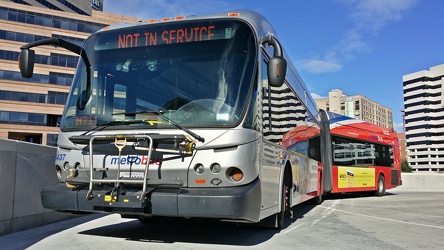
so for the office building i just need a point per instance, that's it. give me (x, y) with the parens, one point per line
(402, 146)
(30, 109)
(357, 106)
(82, 7)
(424, 118)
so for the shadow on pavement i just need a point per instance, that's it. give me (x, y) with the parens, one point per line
(199, 231)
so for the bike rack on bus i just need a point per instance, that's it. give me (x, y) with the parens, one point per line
(120, 141)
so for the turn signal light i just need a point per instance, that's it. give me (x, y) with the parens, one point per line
(235, 174)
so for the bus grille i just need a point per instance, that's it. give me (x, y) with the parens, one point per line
(394, 178)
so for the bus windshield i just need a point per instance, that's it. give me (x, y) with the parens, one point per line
(197, 74)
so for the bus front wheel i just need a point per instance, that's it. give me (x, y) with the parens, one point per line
(284, 201)
(380, 191)
(277, 221)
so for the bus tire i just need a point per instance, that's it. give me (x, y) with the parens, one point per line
(277, 220)
(280, 218)
(380, 186)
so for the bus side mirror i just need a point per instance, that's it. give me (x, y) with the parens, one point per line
(277, 65)
(277, 69)
(26, 62)
(83, 99)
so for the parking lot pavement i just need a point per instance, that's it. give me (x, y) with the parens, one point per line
(399, 220)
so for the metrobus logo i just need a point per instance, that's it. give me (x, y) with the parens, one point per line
(135, 160)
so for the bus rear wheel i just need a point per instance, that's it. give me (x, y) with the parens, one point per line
(319, 199)
(380, 188)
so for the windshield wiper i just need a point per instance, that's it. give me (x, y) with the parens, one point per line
(112, 123)
(160, 113)
(124, 122)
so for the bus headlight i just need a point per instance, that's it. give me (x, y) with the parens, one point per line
(198, 168)
(66, 166)
(235, 174)
(215, 168)
(77, 165)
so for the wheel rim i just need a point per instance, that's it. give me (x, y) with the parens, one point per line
(380, 186)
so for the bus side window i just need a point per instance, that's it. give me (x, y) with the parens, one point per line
(253, 119)
(282, 109)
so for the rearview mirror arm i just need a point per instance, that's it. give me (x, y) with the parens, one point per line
(60, 43)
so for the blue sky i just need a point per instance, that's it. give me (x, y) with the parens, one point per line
(359, 46)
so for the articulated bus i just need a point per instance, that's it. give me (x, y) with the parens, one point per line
(366, 157)
(183, 117)
(357, 156)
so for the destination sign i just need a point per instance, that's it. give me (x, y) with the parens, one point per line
(148, 35)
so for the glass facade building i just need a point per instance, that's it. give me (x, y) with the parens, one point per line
(82, 7)
(30, 109)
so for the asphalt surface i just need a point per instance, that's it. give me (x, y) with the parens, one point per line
(399, 220)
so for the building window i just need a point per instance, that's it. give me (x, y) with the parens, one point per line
(49, 20)
(56, 78)
(22, 96)
(24, 118)
(51, 139)
(53, 120)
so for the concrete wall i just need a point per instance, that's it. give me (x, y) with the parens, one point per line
(25, 168)
(430, 181)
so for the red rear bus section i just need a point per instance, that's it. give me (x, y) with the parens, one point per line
(357, 156)
(365, 157)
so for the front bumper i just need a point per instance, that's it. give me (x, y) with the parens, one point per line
(236, 203)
